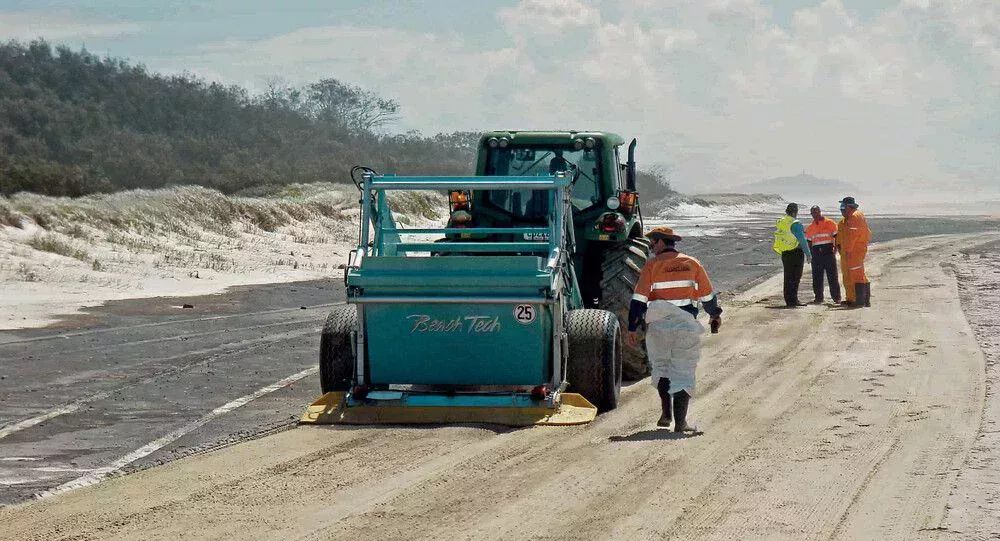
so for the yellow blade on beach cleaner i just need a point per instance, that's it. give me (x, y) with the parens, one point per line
(331, 409)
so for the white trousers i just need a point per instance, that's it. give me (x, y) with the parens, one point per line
(673, 344)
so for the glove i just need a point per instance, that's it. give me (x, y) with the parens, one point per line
(714, 323)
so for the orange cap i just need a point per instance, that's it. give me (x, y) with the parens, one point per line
(663, 232)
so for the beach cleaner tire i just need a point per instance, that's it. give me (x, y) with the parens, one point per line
(594, 368)
(620, 270)
(336, 349)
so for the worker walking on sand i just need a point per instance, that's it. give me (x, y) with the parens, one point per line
(852, 238)
(790, 243)
(821, 234)
(666, 298)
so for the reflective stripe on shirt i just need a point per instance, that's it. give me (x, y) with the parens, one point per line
(640, 298)
(674, 284)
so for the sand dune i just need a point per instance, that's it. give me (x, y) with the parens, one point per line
(61, 254)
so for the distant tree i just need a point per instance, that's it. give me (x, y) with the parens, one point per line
(356, 108)
(279, 95)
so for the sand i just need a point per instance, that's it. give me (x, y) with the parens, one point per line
(65, 254)
(818, 422)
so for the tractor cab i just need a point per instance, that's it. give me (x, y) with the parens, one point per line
(603, 196)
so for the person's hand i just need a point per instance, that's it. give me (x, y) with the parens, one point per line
(632, 338)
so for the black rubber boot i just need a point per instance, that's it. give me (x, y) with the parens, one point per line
(859, 295)
(681, 399)
(663, 387)
(868, 295)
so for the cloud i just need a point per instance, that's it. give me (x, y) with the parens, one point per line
(716, 89)
(60, 26)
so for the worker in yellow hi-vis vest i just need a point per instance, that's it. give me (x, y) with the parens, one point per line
(790, 243)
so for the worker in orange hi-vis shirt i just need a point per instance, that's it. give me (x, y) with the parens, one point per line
(670, 288)
(821, 234)
(853, 240)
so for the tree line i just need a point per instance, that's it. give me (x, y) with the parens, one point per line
(73, 123)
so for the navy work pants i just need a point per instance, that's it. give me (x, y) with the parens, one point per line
(792, 261)
(824, 261)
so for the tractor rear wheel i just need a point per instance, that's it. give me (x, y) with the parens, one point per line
(620, 270)
(594, 367)
(336, 349)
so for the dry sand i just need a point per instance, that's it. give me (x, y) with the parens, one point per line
(974, 506)
(66, 254)
(819, 423)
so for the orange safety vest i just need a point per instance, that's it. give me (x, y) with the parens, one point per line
(674, 277)
(822, 232)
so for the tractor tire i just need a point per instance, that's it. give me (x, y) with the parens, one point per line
(336, 349)
(620, 270)
(594, 367)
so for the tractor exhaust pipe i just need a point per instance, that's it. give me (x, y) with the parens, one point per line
(630, 167)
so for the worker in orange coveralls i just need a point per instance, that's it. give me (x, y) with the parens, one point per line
(845, 278)
(853, 236)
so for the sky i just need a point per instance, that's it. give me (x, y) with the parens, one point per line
(893, 96)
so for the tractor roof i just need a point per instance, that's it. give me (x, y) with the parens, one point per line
(552, 137)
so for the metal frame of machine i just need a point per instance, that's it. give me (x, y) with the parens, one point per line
(379, 236)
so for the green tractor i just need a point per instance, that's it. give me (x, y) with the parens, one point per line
(610, 248)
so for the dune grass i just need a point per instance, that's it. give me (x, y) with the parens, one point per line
(191, 227)
(178, 209)
(53, 244)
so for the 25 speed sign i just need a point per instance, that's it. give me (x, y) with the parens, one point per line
(524, 313)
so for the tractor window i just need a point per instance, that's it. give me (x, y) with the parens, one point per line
(531, 204)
